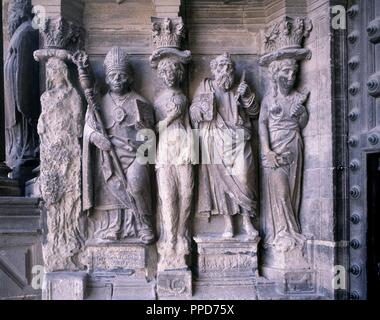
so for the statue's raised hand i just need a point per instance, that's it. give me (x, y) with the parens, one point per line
(243, 90)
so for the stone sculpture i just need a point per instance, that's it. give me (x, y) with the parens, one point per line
(60, 128)
(173, 162)
(223, 111)
(22, 105)
(116, 187)
(282, 119)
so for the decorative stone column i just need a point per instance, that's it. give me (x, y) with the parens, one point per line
(173, 162)
(60, 128)
(288, 253)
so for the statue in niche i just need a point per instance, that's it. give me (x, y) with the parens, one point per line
(223, 111)
(173, 160)
(283, 117)
(60, 128)
(173, 164)
(117, 186)
(22, 94)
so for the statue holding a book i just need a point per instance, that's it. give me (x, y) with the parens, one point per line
(223, 112)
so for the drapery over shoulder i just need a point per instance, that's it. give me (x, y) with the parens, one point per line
(226, 181)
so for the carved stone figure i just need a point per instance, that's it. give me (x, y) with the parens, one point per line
(116, 185)
(22, 105)
(60, 128)
(173, 160)
(282, 119)
(223, 112)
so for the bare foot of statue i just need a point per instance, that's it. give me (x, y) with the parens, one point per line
(228, 228)
(248, 227)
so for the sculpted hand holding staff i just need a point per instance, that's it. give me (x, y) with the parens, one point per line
(116, 186)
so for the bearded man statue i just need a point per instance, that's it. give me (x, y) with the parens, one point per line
(223, 111)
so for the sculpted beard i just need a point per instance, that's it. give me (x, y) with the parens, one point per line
(225, 80)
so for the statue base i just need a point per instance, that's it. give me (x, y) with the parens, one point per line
(292, 270)
(226, 268)
(8, 187)
(118, 271)
(32, 188)
(174, 285)
(64, 286)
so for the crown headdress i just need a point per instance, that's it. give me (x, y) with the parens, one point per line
(116, 60)
(168, 32)
(168, 35)
(284, 40)
(59, 33)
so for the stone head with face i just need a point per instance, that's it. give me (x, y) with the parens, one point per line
(118, 72)
(19, 11)
(57, 74)
(171, 71)
(284, 75)
(223, 70)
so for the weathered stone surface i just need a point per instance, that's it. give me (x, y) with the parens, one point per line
(174, 168)
(223, 112)
(227, 258)
(65, 286)
(175, 284)
(282, 119)
(119, 286)
(60, 128)
(116, 185)
(214, 27)
(128, 256)
(226, 268)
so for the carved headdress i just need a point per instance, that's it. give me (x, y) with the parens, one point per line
(116, 60)
(61, 38)
(168, 34)
(284, 40)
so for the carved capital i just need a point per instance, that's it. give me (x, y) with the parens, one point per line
(168, 32)
(284, 40)
(59, 33)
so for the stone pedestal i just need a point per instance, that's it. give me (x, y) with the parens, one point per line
(292, 271)
(32, 188)
(226, 268)
(64, 286)
(175, 284)
(118, 271)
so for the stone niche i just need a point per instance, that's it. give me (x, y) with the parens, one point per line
(240, 267)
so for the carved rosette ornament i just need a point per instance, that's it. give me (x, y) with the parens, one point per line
(60, 128)
(173, 165)
(282, 119)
